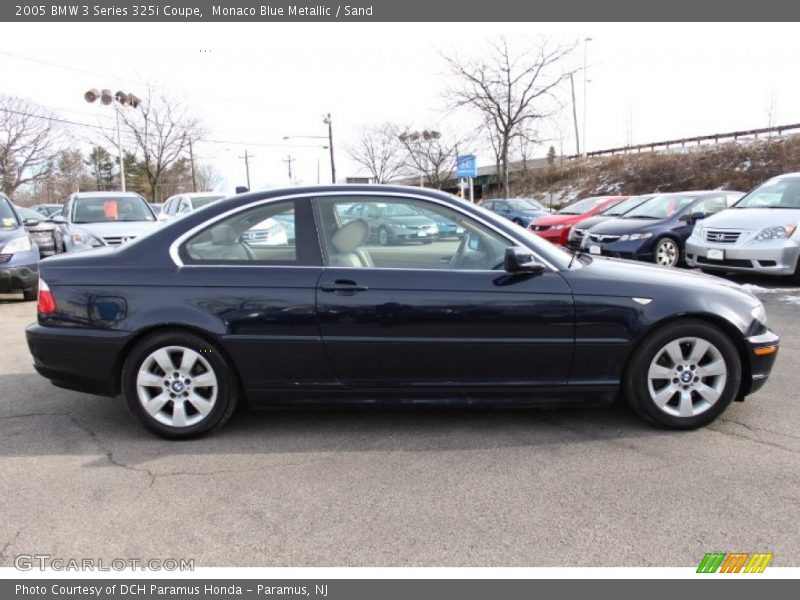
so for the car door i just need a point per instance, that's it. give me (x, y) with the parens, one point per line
(261, 298)
(439, 315)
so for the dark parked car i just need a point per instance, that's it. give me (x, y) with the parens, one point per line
(447, 227)
(519, 210)
(578, 232)
(48, 210)
(42, 232)
(657, 230)
(393, 223)
(19, 255)
(190, 321)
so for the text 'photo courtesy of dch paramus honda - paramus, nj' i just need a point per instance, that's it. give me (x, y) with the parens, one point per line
(357, 306)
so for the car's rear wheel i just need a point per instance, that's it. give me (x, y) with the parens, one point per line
(683, 375)
(666, 253)
(179, 385)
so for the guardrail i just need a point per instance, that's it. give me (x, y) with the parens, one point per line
(716, 137)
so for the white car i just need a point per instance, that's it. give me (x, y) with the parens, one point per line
(759, 234)
(182, 204)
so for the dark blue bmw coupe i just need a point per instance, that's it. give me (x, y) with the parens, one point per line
(192, 319)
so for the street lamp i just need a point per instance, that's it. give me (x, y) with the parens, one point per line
(585, 55)
(118, 99)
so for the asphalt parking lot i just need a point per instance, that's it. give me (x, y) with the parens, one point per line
(381, 487)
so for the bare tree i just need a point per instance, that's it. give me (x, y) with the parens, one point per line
(511, 91)
(207, 177)
(162, 129)
(430, 155)
(27, 143)
(380, 151)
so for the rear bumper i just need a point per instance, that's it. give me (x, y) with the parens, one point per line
(17, 278)
(555, 236)
(763, 350)
(86, 360)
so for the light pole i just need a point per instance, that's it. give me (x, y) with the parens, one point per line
(585, 56)
(118, 99)
(329, 146)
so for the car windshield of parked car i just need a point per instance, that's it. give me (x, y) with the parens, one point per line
(581, 207)
(204, 200)
(99, 209)
(28, 213)
(661, 207)
(7, 218)
(523, 205)
(776, 193)
(621, 208)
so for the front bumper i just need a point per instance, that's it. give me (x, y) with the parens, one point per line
(555, 236)
(75, 358)
(762, 350)
(18, 277)
(630, 249)
(768, 258)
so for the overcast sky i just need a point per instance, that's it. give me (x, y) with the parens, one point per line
(253, 84)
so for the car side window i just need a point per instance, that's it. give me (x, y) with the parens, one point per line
(263, 235)
(407, 234)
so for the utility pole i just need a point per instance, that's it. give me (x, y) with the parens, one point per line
(289, 160)
(574, 115)
(191, 161)
(329, 122)
(585, 54)
(247, 158)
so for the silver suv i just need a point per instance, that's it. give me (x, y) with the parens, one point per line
(758, 234)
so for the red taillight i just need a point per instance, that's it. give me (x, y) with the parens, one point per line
(46, 304)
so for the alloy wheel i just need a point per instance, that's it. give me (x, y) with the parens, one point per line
(667, 253)
(177, 386)
(687, 377)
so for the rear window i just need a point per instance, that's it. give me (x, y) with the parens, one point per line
(98, 209)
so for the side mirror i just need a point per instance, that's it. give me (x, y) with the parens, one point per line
(521, 260)
(31, 222)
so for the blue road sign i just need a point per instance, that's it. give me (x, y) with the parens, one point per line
(466, 166)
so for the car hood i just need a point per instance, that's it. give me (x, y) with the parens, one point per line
(751, 219)
(411, 221)
(119, 228)
(592, 221)
(7, 234)
(551, 220)
(616, 226)
(631, 278)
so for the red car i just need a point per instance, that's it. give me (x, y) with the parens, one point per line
(555, 228)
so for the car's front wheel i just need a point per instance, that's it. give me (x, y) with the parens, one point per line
(666, 253)
(179, 385)
(683, 375)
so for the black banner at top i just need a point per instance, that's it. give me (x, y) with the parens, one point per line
(397, 10)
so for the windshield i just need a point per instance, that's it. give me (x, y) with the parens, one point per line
(581, 207)
(624, 206)
(28, 213)
(661, 207)
(400, 210)
(524, 205)
(204, 200)
(8, 219)
(99, 209)
(775, 193)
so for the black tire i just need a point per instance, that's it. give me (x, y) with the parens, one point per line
(31, 294)
(227, 396)
(635, 384)
(384, 236)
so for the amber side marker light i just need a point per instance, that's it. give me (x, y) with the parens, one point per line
(764, 350)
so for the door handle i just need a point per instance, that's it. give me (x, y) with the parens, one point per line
(343, 285)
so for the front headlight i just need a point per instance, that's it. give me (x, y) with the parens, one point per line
(18, 244)
(558, 226)
(760, 314)
(636, 236)
(775, 233)
(86, 239)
